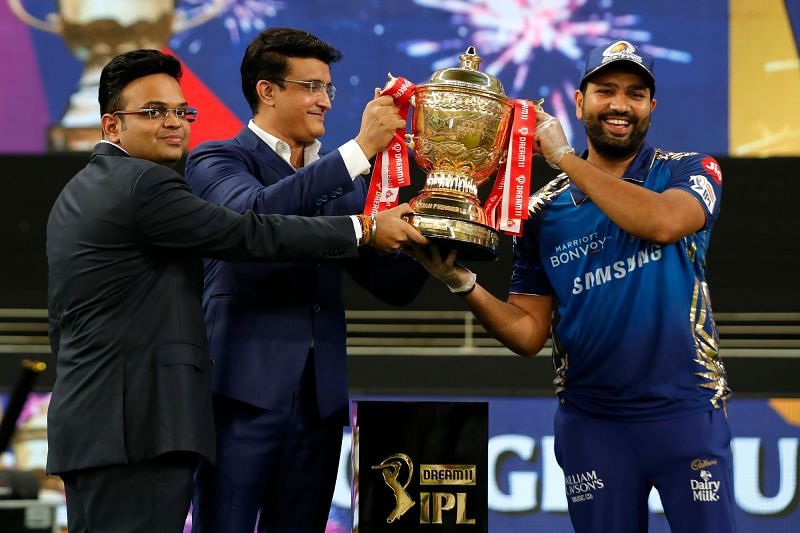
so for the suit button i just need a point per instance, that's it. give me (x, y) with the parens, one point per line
(338, 190)
(316, 308)
(319, 203)
(324, 198)
(211, 360)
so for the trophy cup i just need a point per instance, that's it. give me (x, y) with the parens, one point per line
(460, 129)
(95, 32)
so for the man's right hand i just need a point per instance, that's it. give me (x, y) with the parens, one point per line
(379, 122)
(393, 233)
(443, 268)
(550, 139)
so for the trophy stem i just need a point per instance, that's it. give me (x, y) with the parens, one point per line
(453, 183)
(449, 212)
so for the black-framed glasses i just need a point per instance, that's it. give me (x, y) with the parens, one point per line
(185, 114)
(315, 87)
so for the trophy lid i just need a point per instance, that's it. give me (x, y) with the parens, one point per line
(467, 75)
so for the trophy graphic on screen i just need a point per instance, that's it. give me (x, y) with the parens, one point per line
(96, 31)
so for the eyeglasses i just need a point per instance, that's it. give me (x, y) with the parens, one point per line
(316, 87)
(186, 114)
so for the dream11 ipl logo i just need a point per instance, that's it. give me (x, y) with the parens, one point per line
(390, 469)
(433, 504)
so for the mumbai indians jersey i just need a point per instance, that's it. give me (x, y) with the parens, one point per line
(633, 332)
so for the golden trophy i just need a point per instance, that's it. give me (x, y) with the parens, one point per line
(460, 129)
(95, 32)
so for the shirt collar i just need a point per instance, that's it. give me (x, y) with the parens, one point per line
(115, 145)
(635, 173)
(310, 152)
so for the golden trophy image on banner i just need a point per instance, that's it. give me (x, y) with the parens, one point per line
(96, 31)
(461, 128)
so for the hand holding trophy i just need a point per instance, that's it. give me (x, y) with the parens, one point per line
(463, 128)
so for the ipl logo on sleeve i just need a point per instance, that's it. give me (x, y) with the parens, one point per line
(702, 186)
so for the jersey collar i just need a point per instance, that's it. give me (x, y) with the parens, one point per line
(635, 173)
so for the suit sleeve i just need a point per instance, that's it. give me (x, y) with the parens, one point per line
(393, 278)
(169, 216)
(221, 174)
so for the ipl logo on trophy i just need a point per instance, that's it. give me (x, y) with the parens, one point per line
(461, 126)
(95, 32)
(390, 468)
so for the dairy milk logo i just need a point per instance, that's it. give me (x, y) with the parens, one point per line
(580, 486)
(705, 489)
(577, 248)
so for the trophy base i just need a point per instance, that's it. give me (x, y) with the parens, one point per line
(473, 241)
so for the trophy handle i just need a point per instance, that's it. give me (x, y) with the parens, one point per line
(209, 12)
(53, 25)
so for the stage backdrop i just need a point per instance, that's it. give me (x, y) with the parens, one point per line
(526, 486)
(728, 72)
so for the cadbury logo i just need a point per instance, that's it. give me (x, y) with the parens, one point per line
(699, 464)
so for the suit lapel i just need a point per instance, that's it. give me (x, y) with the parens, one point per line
(264, 153)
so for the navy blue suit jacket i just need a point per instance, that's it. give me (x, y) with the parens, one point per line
(262, 319)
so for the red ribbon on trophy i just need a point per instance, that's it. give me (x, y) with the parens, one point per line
(391, 170)
(512, 188)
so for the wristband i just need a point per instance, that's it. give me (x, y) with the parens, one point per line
(561, 153)
(369, 227)
(373, 229)
(466, 288)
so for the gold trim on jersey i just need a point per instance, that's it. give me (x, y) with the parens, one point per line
(546, 194)
(666, 156)
(560, 363)
(707, 345)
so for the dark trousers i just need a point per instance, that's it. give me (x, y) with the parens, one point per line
(146, 497)
(281, 463)
(610, 467)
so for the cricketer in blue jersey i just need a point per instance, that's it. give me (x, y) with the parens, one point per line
(611, 263)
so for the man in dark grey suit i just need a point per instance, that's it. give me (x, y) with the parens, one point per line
(130, 414)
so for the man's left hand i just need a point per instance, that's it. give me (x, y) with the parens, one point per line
(379, 122)
(550, 139)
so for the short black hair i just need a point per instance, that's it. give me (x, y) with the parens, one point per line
(130, 66)
(266, 57)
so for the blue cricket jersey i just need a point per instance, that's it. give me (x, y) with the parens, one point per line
(633, 332)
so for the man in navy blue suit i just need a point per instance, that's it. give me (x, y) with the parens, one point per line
(277, 331)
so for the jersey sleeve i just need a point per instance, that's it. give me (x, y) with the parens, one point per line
(528, 275)
(701, 176)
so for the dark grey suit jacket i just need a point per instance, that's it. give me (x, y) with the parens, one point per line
(124, 242)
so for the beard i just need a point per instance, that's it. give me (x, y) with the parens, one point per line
(610, 146)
